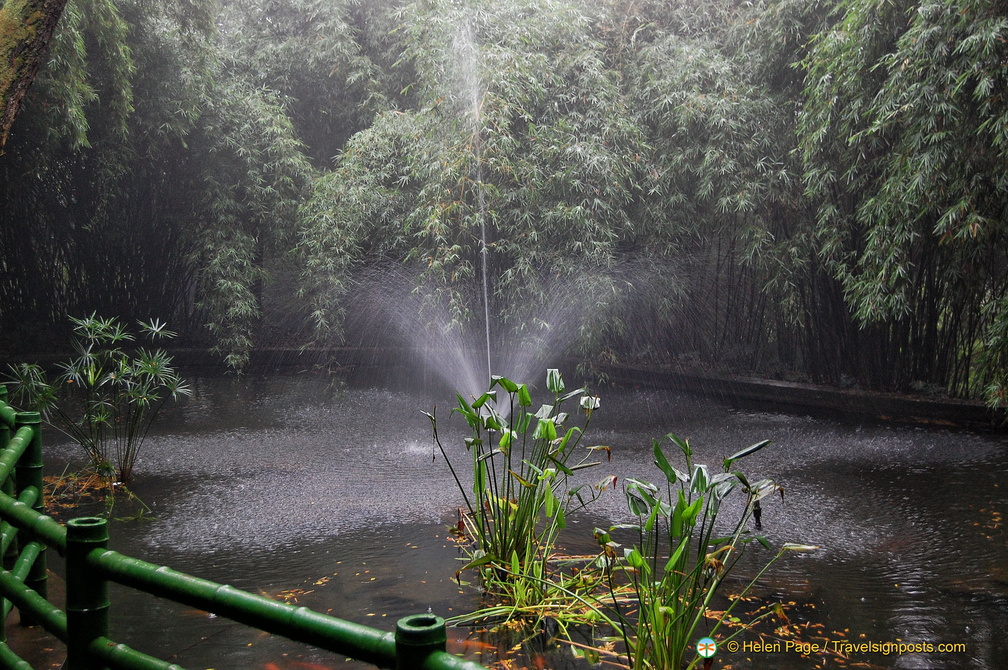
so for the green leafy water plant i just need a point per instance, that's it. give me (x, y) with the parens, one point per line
(107, 396)
(680, 559)
(522, 461)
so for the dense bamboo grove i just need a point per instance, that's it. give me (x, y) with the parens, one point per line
(806, 189)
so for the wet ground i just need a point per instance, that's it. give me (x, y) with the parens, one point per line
(294, 487)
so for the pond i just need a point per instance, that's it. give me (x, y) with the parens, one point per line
(329, 496)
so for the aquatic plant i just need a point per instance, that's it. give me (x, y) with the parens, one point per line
(105, 398)
(678, 562)
(657, 593)
(522, 462)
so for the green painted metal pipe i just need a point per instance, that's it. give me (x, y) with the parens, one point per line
(442, 660)
(43, 612)
(5, 428)
(11, 661)
(28, 475)
(36, 525)
(7, 412)
(29, 554)
(297, 623)
(121, 657)
(9, 532)
(8, 549)
(17, 445)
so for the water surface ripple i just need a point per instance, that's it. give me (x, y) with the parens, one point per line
(290, 483)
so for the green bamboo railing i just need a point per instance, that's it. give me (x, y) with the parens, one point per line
(26, 533)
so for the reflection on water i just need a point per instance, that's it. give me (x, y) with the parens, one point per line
(287, 486)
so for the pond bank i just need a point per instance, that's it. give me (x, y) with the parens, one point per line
(812, 399)
(742, 391)
(748, 392)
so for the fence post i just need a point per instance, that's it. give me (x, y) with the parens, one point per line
(28, 473)
(416, 637)
(87, 601)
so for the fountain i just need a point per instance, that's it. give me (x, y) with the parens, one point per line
(465, 46)
(459, 352)
(436, 329)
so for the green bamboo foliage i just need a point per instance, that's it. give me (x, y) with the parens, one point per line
(323, 57)
(896, 94)
(251, 190)
(811, 190)
(517, 132)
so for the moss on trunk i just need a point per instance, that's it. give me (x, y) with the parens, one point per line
(26, 27)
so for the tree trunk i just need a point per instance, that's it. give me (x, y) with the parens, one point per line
(26, 27)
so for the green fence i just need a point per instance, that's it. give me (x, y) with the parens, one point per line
(26, 534)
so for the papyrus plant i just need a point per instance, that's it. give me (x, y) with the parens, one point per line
(107, 396)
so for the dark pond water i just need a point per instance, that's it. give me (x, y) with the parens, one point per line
(288, 485)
